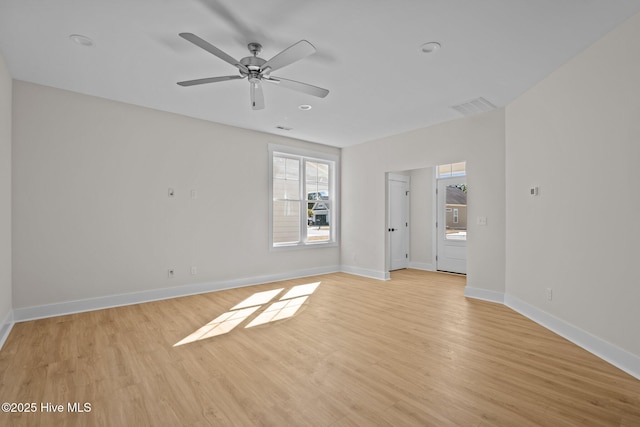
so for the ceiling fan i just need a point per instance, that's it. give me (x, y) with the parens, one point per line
(257, 70)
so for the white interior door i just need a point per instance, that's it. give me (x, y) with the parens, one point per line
(452, 225)
(398, 224)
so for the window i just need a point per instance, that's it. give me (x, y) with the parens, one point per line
(452, 169)
(303, 209)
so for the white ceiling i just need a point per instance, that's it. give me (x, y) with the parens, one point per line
(368, 55)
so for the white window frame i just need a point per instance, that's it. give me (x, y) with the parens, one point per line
(334, 186)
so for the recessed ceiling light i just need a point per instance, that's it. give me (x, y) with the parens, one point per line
(81, 40)
(304, 107)
(430, 47)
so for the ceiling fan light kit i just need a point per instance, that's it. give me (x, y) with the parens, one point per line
(257, 69)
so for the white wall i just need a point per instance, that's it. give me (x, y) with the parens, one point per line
(5, 197)
(576, 135)
(91, 212)
(480, 141)
(422, 218)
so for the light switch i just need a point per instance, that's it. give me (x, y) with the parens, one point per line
(482, 220)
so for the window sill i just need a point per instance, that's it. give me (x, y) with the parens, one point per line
(302, 246)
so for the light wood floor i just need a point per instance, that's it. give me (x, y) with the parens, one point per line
(407, 352)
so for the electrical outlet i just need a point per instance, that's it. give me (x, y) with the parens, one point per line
(549, 294)
(170, 273)
(194, 270)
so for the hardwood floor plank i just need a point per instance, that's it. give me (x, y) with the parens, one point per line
(409, 351)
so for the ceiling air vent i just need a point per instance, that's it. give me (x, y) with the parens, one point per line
(475, 106)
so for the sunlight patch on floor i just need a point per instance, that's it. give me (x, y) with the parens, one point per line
(258, 298)
(300, 290)
(278, 310)
(220, 325)
(287, 306)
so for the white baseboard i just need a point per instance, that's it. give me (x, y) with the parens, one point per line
(421, 266)
(373, 274)
(79, 306)
(484, 294)
(618, 357)
(5, 328)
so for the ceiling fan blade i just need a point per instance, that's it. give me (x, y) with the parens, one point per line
(290, 55)
(300, 87)
(257, 97)
(243, 34)
(209, 80)
(213, 50)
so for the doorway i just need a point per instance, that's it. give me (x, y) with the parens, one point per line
(451, 225)
(398, 221)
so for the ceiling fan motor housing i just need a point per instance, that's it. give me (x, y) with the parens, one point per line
(254, 65)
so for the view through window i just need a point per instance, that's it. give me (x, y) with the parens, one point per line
(455, 201)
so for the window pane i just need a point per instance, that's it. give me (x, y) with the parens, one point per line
(452, 169)
(278, 167)
(323, 173)
(458, 168)
(286, 176)
(444, 170)
(286, 222)
(293, 169)
(286, 189)
(319, 223)
(456, 212)
(317, 180)
(312, 176)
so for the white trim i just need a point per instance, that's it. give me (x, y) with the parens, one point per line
(611, 353)
(373, 274)
(303, 152)
(5, 328)
(398, 177)
(484, 294)
(434, 217)
(79, 306)
(421, 266)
